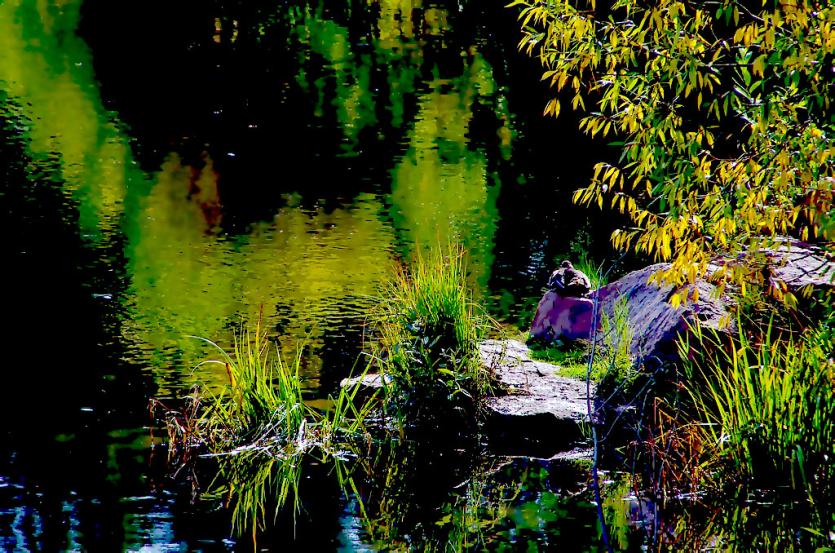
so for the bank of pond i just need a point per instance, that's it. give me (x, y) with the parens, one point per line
(454, 435)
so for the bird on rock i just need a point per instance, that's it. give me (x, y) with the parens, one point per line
(568, 281)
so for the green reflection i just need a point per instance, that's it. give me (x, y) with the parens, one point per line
(312, 266)
(440, 189)
(47, 71)
(354, 102)
(311, 270)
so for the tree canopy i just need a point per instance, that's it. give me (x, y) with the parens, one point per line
(722, 112)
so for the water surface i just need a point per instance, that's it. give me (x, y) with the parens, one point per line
(171, 171)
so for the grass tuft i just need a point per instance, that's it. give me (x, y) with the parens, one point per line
(263, 401)
(586, 264)
(430, 329)
(262, 407)
(259, 429)
(768, 408)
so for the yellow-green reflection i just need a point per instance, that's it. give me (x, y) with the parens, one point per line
(354, 103)
(440, 190)
(310, 270)
(47, 71)
(305, 268)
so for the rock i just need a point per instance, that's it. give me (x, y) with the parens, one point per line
(373, 382)
(655, 323)
(540, 413)
(566, 317)
(369, 384)
(799, 265)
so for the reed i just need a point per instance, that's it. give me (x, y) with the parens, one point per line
(430, 328)
(596, 277)
(768, 407)
(260, 430)
(262, 407)
(263, 400)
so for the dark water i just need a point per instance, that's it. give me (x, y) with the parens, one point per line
(171, 169)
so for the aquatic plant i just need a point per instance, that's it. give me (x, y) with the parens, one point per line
(767, 408)
(430, 328)
(262, 407)
(260, 430)
(263, 401)
(596, 276)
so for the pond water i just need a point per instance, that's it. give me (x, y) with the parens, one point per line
(170, 170)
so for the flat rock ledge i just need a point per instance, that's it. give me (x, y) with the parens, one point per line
(540, 414)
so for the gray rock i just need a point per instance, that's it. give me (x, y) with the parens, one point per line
(655, 324)
(542, 413)
(539, 413)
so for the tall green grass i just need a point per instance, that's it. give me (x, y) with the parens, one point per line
(262, 406)
(585, 264)
(768, 408)
(260, 429)
(263, 401)
(430, 328)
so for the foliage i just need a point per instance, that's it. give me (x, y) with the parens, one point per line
(586, 265)
(722, 112)
(615, 361)
(262, 408)
(430, 329)
(768, 408)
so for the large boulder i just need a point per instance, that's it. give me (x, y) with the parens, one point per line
(654, 323)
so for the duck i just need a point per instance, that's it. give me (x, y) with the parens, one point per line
(568, 281)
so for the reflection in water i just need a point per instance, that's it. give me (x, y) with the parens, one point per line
(382, 129)
(440, 188)
(47, 71)
(318, 267)
(767, 522)
(414, 496)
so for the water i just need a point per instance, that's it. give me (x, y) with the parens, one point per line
(171, 170)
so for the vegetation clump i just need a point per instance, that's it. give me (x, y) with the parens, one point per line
(262, 407)
(430, 328)
(767, 410)
(723, 116)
